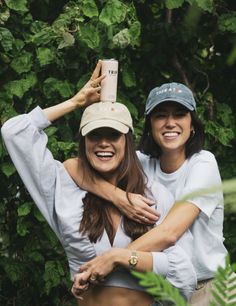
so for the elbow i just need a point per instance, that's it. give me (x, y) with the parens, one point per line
(170, 237)
(5, 132)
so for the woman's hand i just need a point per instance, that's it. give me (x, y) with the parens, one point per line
(101, 266)
(87, 95)
(139, 209)
(90, 92)
(94, 272)
(81, 284)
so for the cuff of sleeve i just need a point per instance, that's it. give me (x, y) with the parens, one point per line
(160, 263)
(38, 118)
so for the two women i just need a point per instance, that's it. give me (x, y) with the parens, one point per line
(90, 228)
(172, 152)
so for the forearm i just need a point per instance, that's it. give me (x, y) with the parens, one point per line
(179, 219)
(95, 185)
(157, 239)
(54, 112)
(102, 188)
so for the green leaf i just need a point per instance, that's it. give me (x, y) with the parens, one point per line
(122, 39)
(43, 37)
(67, 40)
(20, 87)
(38, 215)
(22, 227)
(206, 5)
(45, 56)
(89, 8)
(89, 34)
(13, 269)
(36, 256)
(52, 85)
(128, 76)
(6, 39)
(22, 63)
(173, 4)
(4, 15)
(113, 12)
(8, 169)
(24, 209)
(17, 5)
(134, 33)
(51, 131)
(227, 22)
(52, 274)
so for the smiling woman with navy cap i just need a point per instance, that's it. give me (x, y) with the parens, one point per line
(171, 151)
(93, 233)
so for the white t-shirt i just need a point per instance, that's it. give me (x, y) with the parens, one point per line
(198, 172)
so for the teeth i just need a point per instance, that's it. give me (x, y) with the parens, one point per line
(104, 154)
(170, 134)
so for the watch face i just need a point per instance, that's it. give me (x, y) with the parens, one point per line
(133, 260)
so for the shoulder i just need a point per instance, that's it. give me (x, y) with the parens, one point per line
(142, 156)
(147, 161)
(203, 156)
(71, 162)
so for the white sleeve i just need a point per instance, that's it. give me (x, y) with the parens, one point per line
(204, 174)
(26, 143)
(178, 269)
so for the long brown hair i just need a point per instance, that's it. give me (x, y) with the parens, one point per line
(130, 178)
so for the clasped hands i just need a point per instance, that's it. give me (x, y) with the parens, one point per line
(94, 272)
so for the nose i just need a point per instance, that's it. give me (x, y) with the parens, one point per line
(103, 142)
(170, 121)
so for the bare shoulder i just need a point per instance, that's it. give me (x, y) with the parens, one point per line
(70, 163)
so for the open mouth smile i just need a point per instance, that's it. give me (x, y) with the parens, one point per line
(104, 154)
(171, 134)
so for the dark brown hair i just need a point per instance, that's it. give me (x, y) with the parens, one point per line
(195, 143)
(131, 178)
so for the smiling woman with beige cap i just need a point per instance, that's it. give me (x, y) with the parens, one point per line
(92, 231)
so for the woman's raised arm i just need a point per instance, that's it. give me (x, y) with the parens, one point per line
(86, 96)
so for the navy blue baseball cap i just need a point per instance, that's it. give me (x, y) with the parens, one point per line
(175, 92)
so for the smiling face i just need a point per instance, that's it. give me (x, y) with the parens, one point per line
(171, 128)
(105, 150)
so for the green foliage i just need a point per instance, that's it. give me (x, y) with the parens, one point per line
(47, 51)
(224, 286)
(223, 290)
(160, 288)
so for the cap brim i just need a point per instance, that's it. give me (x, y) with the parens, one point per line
(116, 125)
(185, 104)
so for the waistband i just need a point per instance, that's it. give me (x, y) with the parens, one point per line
(202, 283)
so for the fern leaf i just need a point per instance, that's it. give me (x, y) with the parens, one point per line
(160, 288)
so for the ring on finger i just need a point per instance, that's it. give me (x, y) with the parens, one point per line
(76, 289)
(93, 278)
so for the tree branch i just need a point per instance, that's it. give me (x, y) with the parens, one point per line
(181, 71)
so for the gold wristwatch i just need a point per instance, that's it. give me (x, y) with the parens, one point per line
(133, 260)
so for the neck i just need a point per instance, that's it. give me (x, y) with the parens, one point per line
(170, 162)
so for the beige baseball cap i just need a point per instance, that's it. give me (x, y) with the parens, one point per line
(106, 114)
